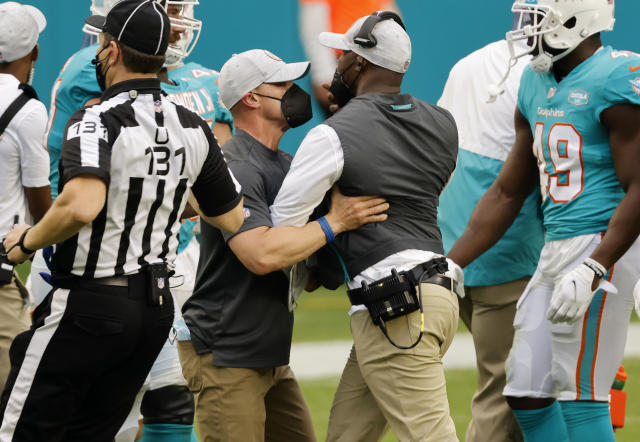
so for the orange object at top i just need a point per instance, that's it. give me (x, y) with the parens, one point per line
(344, 12)
(622, 374)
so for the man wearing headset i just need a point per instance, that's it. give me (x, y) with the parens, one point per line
(382, 142)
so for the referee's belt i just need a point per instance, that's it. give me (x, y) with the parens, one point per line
(404, 281)
(118, 281)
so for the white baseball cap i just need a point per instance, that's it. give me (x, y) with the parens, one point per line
(20, 27)
(248, 70)
(392, 51)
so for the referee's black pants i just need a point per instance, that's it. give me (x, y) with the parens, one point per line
(76, 372)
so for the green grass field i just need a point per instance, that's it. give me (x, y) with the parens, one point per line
(322, 316)
(460, 387)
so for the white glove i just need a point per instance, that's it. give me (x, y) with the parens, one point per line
(572, 295)
(636, 298)
(455, 272)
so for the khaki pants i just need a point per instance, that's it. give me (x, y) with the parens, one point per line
(383, 386)
(488, 312)
(243, 404)
(14, 318)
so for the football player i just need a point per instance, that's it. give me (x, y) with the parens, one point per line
(578, 139)
(167, 404)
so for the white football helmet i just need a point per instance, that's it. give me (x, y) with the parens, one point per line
(98, 7)
(560, 24)
(181, 15)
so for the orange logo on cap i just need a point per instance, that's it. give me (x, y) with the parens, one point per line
(270, 55)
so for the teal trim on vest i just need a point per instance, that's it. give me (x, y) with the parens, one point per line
(401, 107)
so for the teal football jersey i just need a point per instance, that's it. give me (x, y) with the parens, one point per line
(578, 182)
(196, 88)
(76, 84)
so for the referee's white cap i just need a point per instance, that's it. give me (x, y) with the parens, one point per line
(392, 51)
(248, 70)
(20, 27)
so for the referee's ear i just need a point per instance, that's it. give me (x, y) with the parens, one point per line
(115, 53)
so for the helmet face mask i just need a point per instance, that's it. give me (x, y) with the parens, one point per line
(98, 7)
(557, 26)
(182, 17)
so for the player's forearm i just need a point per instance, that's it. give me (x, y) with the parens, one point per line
(492, 216)
(623, 230)
(281, 247)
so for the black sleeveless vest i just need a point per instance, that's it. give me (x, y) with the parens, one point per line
(404, 150)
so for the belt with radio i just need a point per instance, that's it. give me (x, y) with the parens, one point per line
(396, 295)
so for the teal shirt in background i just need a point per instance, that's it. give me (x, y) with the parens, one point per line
(76, 84)
(516, 255)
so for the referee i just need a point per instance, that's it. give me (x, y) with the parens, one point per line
(126, 169)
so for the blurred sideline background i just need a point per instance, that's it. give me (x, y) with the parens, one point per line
(441, 32)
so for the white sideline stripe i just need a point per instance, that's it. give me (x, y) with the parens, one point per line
(33, 356)
(316, 360)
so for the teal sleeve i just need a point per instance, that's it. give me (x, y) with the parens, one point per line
(75, 86)
(622, 86)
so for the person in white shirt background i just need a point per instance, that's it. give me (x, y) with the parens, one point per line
(24, 161)
(494, 282)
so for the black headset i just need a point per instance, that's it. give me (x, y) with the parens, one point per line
(365, 37)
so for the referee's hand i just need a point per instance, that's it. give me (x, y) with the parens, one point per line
(351, 212)
(14, 252)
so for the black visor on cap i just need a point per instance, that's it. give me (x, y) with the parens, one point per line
(139, 24)
(96, 21)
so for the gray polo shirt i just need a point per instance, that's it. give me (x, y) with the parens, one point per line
(242, 318)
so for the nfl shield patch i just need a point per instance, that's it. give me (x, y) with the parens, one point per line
(579, 97)
(160, 283)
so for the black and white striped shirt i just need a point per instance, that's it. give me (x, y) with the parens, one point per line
(149, 152)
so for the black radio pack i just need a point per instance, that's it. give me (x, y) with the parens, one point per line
(396, 295)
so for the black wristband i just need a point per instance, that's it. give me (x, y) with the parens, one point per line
(597, 268)
(21, 243)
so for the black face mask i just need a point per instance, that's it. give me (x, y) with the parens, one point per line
(101, 77)
(295, 105)
(342, 92)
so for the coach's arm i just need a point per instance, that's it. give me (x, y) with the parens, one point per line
(266, 249)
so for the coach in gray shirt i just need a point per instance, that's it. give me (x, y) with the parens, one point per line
(394, 145)
(239, 317)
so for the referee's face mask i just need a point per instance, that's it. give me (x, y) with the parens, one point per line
(101, 76)
(295, 105)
